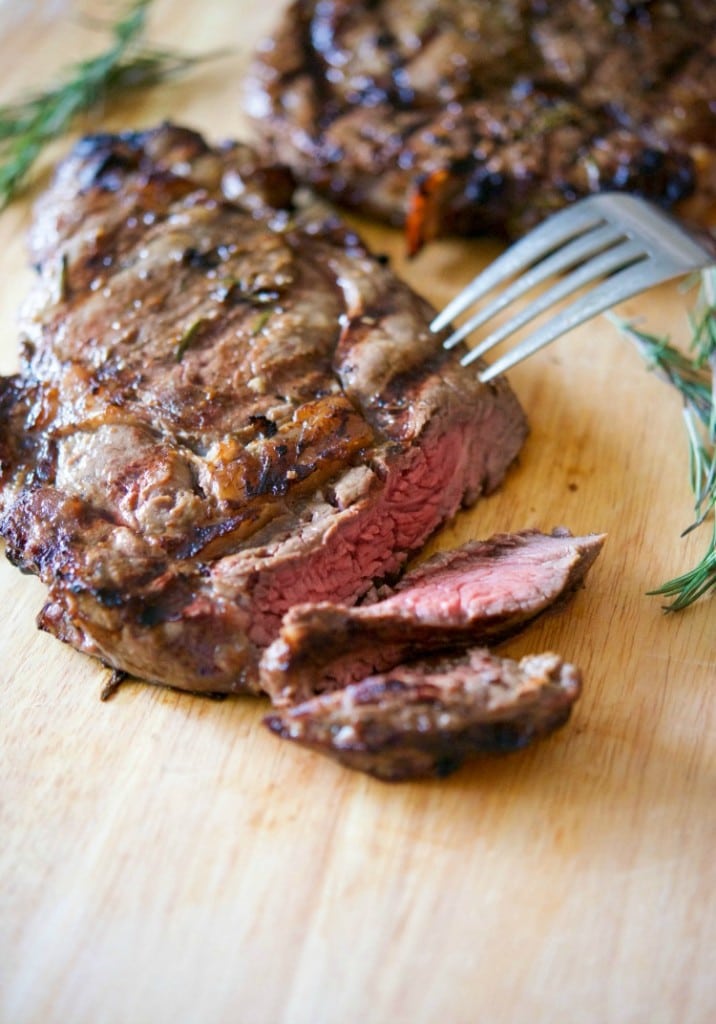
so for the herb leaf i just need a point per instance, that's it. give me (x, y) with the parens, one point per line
(189, 337)
(260, 322)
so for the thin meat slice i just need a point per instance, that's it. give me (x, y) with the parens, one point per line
(428, 717)
(479, 593)
(225, 406)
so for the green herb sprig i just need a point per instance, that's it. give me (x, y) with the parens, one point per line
(27, 126)
(694, 377)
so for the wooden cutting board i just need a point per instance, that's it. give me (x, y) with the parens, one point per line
(164, 858)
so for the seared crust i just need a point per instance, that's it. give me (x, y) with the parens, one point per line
(223, 408)
(466, 117)
(429, 717)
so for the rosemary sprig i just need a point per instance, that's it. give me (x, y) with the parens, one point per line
(695, 379)
(28, 125)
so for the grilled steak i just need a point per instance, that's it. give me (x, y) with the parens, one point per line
(479, 593)
(223, 409)
(466, 117)
(427, 718)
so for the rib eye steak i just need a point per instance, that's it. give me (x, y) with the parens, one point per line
(470, 117)
(224, 408)
(479, 593)
(428, 717)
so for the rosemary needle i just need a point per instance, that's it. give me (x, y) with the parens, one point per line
(28, 125)
(694, 377)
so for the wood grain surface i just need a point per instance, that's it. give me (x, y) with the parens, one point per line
(164, 858)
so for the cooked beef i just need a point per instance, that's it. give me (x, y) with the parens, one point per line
(427, 718)
(467, 117)
(479, 593)
(224, 408)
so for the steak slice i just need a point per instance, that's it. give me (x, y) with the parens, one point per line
(468, 116)
(428, 717)
(480, 593)
(224, 407)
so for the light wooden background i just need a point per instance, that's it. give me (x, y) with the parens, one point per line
(163, 858)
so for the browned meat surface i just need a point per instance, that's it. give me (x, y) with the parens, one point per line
(479, 593)
(427, 718)
(467, 117)
(222, 410)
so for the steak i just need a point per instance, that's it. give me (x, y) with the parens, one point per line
(427, 718)
(226, 406)
(480, 593)
(469, 117)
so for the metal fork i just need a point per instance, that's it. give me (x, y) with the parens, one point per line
(615, 236)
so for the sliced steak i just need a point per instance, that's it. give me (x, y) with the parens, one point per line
(428, 717)
(480, 593)
(467, 116)
(224, 408)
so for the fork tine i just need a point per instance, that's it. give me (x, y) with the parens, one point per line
(621, 286)
(605, 263)
(555, 231)
(581, 248)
